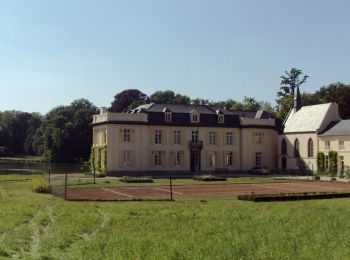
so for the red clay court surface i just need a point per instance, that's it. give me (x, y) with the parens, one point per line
(163, 192)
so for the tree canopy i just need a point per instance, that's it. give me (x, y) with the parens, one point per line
(127, 99)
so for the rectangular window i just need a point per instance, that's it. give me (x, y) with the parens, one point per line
(195, 118)
(212, 159)
(221, 119)
(212, 138)
(341, 145)
(127, 135)
(229, 158)
(167, 116)
(177, 159)
(326, 162)
(258, 138)
(327, 145)
(158, 158)
(126, 159)
(229, 138)
(194, 136)
(177, 137)
(258, 156)
(158, 137)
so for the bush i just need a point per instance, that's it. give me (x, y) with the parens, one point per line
(320, 162)
(208, 178)
(40, 185)
(317, 178)
(293, 196)
(145, 179)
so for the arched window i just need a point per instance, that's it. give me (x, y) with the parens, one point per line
(284, 147)
(310, 148)
(296, 148)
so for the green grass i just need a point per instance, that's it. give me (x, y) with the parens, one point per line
(40, 226)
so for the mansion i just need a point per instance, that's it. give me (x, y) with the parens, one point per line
(179, 139)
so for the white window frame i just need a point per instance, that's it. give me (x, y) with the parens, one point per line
(195, 136)
(177, 159)
(341, 145)
(127, 135)
(327, 145)
(126, 159)
(258, 161)
(258, 138)
(158, 136)
(221, 119)
(212, 138)
(177, 137)
(229, 138)
(168, 116)
(229, 158)
(195, 118)
(158, 158)
(212, 159)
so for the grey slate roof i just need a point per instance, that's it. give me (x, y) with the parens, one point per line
(338, 128)
(307, 119)
(202, 109)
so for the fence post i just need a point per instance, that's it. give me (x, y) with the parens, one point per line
(65, 186)
(171, 188)
(49, 178)
(94, 175)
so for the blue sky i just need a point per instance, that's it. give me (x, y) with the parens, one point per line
(53, 52)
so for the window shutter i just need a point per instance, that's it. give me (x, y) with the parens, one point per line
(132, 159)
(163, 158)
(207, 159)
(121, 166)
(121, 135)
(182, 159)
(164, 137)
(153, 134)
(171, 159)
(262, 138)
(151, 161)
(132, 136)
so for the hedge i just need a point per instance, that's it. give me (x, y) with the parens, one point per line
(208, 178)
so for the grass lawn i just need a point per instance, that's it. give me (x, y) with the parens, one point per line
(37, 226)
(23, 159)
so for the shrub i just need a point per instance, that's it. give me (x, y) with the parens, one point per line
(320, 162)
(40, 185)
(208, 178)
(333, 163)
(145, 179)
(317, 178)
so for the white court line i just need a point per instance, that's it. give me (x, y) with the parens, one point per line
(168, 191)
(117, 192)
(271, 187)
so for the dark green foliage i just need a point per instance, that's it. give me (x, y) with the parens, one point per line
(128, 99)
(66, 132)
(127, 179)
(333, 163)
(209, 178)
(98, 159)
(320, 162)
(169, 97)
(293, 196)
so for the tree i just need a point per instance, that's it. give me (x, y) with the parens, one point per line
(66, 134)
(169, 97)
(289, 82)
(127, 99)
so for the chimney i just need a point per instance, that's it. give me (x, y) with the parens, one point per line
(103, 110)
(297, 100)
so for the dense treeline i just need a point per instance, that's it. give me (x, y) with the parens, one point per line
(64, 134)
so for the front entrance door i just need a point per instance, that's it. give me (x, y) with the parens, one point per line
(284, 163)
(195, 161)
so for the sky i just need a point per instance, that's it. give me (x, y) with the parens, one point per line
(54, 52)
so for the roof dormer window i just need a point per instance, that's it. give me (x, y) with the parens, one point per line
(221, 119)
(194, 114)
(168, 117)
(167, 114)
